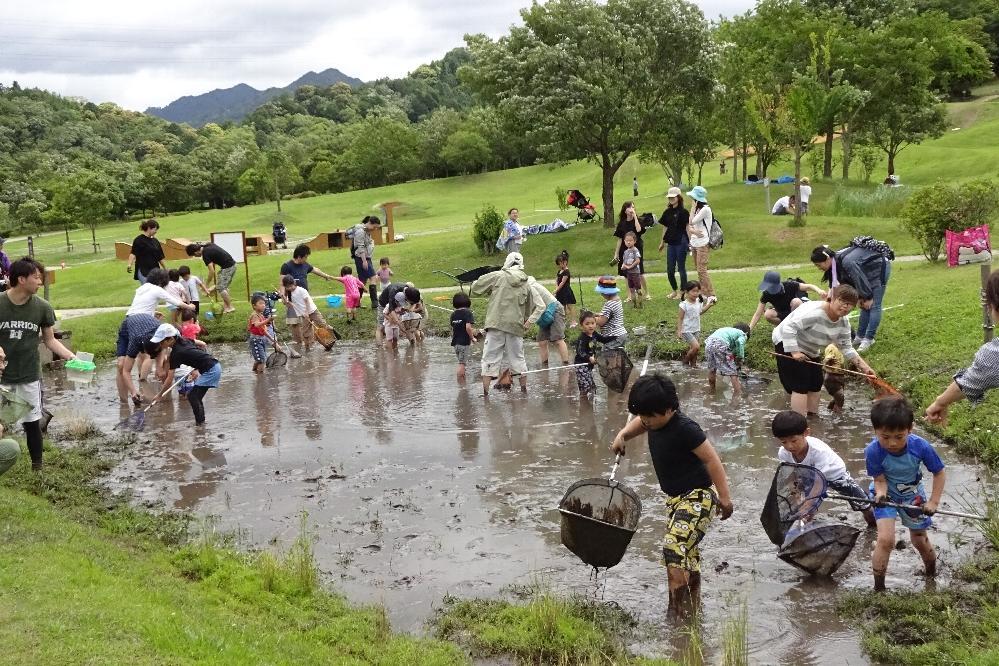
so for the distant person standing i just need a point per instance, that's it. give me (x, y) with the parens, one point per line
(25, 321)
(674, 220)
(362, 250)
(146, 253)
(699, 232)
(805, 190)
(513, 232)
(629, 222)
(221, 267)
(634, 185)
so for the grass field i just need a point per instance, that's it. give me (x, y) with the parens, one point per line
(437, 219)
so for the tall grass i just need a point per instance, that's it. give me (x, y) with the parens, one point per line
(876, 202)
(735, 638)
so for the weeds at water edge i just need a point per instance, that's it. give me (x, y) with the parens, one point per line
(735, 638)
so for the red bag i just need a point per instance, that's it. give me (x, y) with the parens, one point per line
(971, 246)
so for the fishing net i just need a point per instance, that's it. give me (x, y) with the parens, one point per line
(598, 519)
(615, 368)
(12, 407)
(818, 547)
(796, 493)
(325, 336)
(276, 359)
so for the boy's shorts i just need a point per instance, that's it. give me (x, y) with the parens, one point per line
(258, 348)
(847, 486)
(689, 338)
(634, 280)
(391, 332)
(584, 379)
(687, 520)
(914, 521)
(461, 351)
(556, 331)
(720, 358)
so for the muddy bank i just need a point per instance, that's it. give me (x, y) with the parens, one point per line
(417, 488)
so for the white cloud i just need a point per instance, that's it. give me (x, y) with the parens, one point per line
(148, 54)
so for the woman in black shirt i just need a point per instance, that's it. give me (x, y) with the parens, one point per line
(675, 239)
(146, 253)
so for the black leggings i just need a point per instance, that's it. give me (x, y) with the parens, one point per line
(196, 398)
(33, 435)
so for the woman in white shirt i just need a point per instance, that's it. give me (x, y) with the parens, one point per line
(805, 188)
(698, 229)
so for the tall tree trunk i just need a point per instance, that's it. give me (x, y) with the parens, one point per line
(827, 161)
(700, 171)
(607, 190)
(277, 195)
(847, 139)
(799, 221)
(93, 237)
(760, 171)
(891, 162)
(735, 161)
(67, 239)
(745, 157)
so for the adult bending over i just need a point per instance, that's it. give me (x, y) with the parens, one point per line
(628, 222)
(675, 220)
(982, 375)
(26, 320)
(699, 230)
(510, 305)
(801, 339)
(554, 332)
(216, 259)
(146, 253)
(785, 296)
(865, 268)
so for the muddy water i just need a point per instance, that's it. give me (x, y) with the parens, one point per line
(416, 488)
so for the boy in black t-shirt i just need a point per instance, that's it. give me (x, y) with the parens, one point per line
(462, 330)
(691, 475)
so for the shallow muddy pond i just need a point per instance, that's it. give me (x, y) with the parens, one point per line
(416, 488)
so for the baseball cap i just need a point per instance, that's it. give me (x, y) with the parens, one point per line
(771, 282)
(163, 332)
(673, 192)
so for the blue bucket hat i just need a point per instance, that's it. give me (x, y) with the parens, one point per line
(607, 285)
(698, 194)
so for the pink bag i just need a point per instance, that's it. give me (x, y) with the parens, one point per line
(971, 246)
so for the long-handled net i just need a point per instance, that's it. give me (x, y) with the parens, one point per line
(137, 421)
(818, 547)
(615, 368)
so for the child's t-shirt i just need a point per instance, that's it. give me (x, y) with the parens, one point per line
(191, 284)
(302, 303)
(734, 338)
(691, 316)
(632, 255)
(352, 286)
(459, 334)
(613, 310)
(902, 471)
(177, 290)
(384, 277)
(190, 330)
(821, 457)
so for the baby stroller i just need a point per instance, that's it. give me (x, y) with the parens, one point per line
(280, 233)
(586, 212)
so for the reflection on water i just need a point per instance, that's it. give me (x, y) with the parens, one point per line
(447, 493)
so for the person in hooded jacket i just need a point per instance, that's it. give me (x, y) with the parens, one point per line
(510, 305)
(865, 269)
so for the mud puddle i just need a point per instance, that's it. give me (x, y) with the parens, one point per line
(416, 488)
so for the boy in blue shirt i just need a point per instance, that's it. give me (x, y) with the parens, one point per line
(893, 460)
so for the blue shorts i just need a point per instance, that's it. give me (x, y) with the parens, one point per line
(133, 332)
(363, 273)
(913, 520)
(211, 378)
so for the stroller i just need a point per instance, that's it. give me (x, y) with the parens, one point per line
(586, 212)
(280, 233)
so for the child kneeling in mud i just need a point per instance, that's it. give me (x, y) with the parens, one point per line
(691, 475)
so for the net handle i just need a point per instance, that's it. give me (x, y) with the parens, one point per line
(911, 507)
(645, 367)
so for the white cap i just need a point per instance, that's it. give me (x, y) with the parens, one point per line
(163, 332)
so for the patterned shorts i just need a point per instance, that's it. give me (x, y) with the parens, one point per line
(687, 520)
(584, 377)
(720, 358)
(225, 278)
(258, 348)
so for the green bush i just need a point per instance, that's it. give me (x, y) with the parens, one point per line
(879, 202)
(934, 210)
(561, 194)
(307, 194)
(487, 228)
(868, 156)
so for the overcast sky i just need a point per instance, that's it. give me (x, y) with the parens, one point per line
(142, 54)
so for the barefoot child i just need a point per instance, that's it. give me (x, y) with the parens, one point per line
(631, 266)
(690, 474)
(563, 288)
(259, 326)
(462, 330)
(688, 323)
(894, 458)
(195, 287)
(384, 273)
(352, 288)
(301, 309)
(611, 317)
(586, 352)
(725, 350)
(798, 446)
(207, 370)
(393, 319)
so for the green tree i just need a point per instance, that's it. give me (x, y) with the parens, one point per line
(583, 79)
(283, 174)
(87, 197)
(252, 186)
(465, 151)
(323, 177)
(381, 151)
(934, 210)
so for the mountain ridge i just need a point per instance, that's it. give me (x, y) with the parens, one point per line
(236, 102)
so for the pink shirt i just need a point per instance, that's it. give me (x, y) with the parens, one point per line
(190, 330)
(352, 286)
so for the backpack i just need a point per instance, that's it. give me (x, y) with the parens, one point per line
(871, 243)
(716, 237)
(547, 317)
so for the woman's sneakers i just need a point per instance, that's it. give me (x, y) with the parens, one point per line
(865, 344)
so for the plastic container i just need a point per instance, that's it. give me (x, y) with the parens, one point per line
(81, 369)
(209, 314)
(334, 300)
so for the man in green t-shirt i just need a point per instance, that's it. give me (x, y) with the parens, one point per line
(26, 320)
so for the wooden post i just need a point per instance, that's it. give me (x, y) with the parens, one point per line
(987, 324)
(387, 208)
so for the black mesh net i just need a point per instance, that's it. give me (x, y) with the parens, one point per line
(615, 368)
(796, 493)
(599, 517)
(818, 547)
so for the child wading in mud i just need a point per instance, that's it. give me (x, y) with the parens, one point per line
(691, 475)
